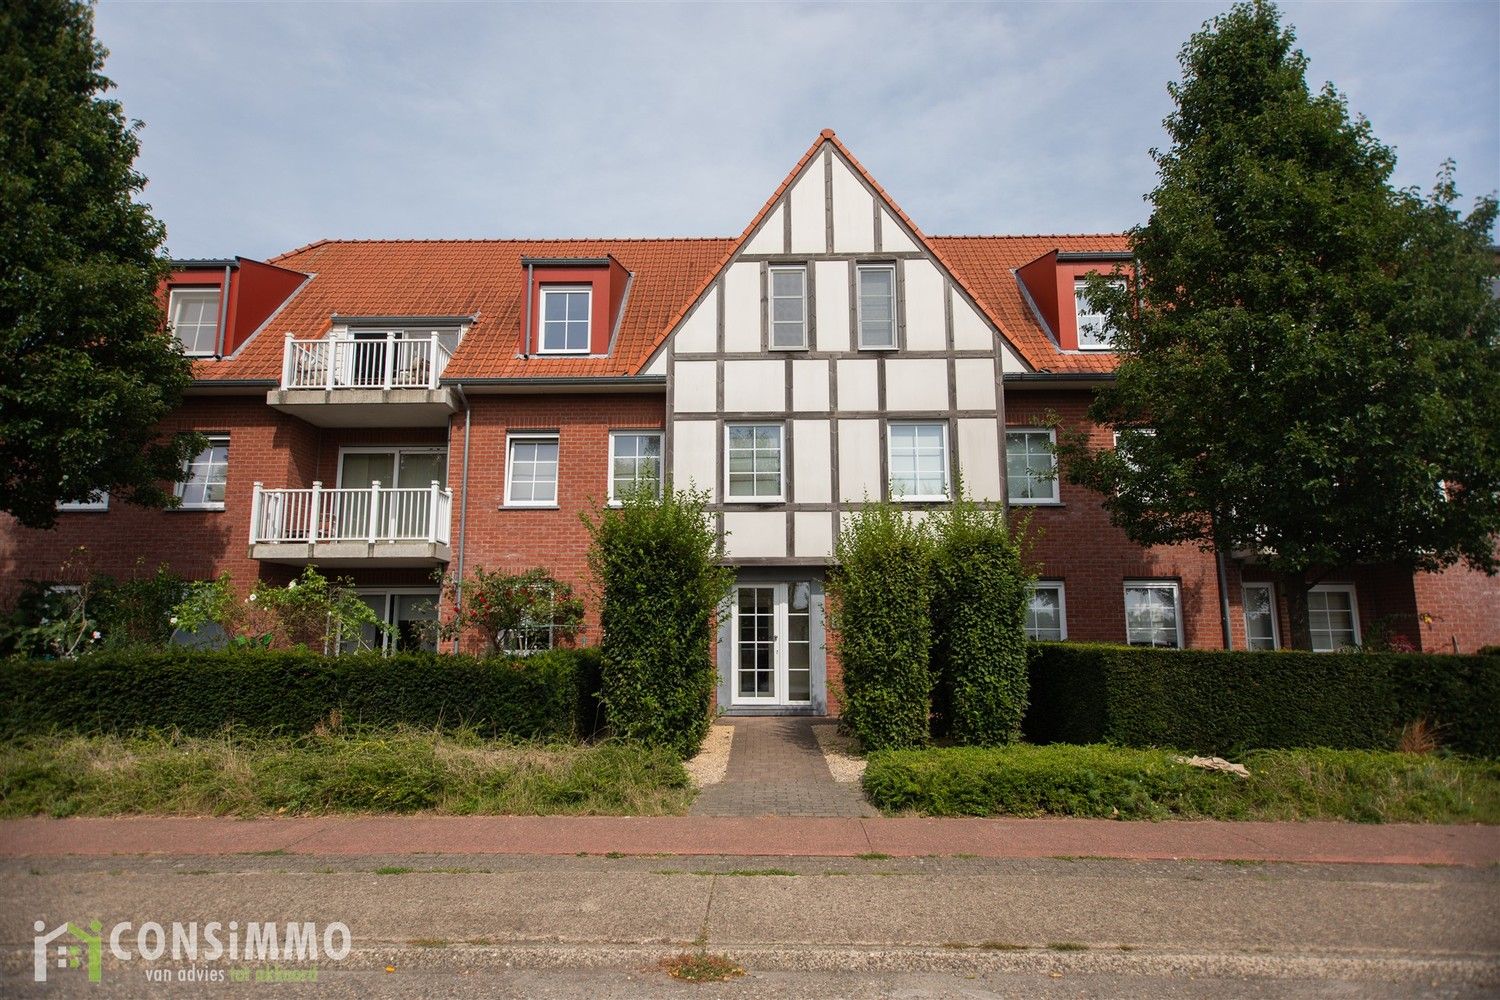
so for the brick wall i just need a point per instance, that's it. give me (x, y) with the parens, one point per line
(1459, 610)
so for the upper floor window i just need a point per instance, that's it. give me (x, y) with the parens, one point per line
(194, 314)
(1333, 617)
(565, 319)
(1046, 612)
(918, 461)
(634, 463)
(203, 489)
(1152, 614)
(1094, 331)
(752, 461)
(1260, 616)
(877, 306)
(1030, 467)
(788, 307)
(531, 479)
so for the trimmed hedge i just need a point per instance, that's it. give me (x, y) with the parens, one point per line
(552, 695)
(1212, 701)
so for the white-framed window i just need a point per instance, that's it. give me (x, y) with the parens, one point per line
(1047, 611)
(203, 489)
(752, 462)
(194, 314)
(788, 288)
(918, 460)
(410, 614)
(634, 463)
(565, 318)
(98, 501)
(531, 470)
(1333, 616)
(876, 289)
(1153, 613)
(1031, 466)
(1261, 628)
(1094, 331)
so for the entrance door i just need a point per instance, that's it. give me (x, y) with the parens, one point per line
(772, 659)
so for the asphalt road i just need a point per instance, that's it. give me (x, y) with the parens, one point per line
(512, 926)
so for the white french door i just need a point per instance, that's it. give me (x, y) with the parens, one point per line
(772, 652)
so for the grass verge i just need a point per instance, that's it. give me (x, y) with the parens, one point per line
(398, 770)
(1111, 782)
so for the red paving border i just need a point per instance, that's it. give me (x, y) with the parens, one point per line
(1395, 843)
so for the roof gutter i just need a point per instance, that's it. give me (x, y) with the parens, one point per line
(542, 380)
(1076, 256)
(233, 383)
(1054, 378)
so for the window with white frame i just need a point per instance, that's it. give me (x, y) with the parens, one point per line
(1094, 330)
(752, 463)
(96, 501)
(634, 463)
(565, 318)
(918, 461)
(1152, 613)
(194, 314)
(410, 617)
(788, 286)
(1333, 617)
(1046, 611)
(203, 487)
(1261, 629)
(531, 472)
(1031, 466)
(877, 306)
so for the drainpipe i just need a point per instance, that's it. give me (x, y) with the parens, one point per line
(463, 511)
(1223, 596)
(223, 316)
(529, 278)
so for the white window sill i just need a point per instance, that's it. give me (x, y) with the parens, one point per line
(199, 507)
(891, 347)
(542, 352)
(530, 506)
(785, 347)
(1034, 503)
(755, 500)
(943, 498)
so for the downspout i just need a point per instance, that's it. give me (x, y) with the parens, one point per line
(463, 512)
(223, 316)
(529, 279)
(1223, 595)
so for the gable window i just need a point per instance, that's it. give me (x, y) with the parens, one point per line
(1333, 617)
(531, 473)
(194, 313)
(753, 461)
(918, 456)
(565, 319)
(1030, 467)
(96, 501)
(206, 474)
(1046, 612)
(1152, 614)
(877, 307)
(1094, 331)
(1261, 630)
(634, 463)
(788, 307)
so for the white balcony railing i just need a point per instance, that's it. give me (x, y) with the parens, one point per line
(391, 362)
(368, 515)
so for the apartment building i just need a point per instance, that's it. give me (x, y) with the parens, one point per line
(390, 410)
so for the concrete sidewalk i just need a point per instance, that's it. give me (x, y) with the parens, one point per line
(764, 836)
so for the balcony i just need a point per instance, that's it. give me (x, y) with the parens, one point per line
(375, 527)
(386, 381)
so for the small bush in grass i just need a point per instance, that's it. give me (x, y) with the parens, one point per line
(880, 590)
(656, 561)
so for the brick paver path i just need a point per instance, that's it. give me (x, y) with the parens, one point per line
(776, 769)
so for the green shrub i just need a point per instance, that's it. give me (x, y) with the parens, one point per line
(1113, 782)
(657, 564)
(979, 651)
(1213, 701)
(548, 695)
(880, 590)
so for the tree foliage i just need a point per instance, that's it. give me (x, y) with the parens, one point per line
(1317, 353)
(90, 366)
(512, 612)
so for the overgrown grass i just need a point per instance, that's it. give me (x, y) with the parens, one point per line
(400, 770)
(1105, 781)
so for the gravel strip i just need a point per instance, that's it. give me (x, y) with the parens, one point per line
(709, 767)
(840, 751)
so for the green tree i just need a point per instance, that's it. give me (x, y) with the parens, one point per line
(90, 366)
(1309, 356)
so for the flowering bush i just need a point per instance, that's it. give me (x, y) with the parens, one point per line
(310, 612)
(514, 612)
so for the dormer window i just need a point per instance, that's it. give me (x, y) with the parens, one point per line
(194, 315)
(565, 319)
(1094, 330)
(788, 307)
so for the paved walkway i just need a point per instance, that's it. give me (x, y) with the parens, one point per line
(777, 769)
(765, 836)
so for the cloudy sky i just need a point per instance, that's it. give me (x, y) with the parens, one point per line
(272, 125)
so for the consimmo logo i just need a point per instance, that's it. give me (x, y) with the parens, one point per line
(214, 941)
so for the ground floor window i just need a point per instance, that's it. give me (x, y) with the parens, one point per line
(1261, 631)
(1152, 613)
(1333, 617)
(1046, 612)
(411, 614)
